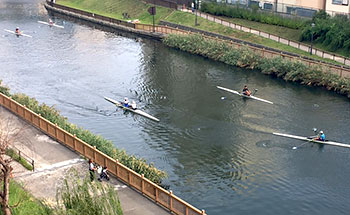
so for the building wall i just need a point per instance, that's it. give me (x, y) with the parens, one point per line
(337, 6)
(316, 4)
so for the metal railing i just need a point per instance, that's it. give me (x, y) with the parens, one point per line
(295, 44)
(24, 156)
(146, 187)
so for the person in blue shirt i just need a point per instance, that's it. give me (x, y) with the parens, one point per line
(126, 102)
(321, 136)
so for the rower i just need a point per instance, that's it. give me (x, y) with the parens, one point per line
(17, 31)
(133, 105)
(321, 136)
(126, 102)
(246, 91)
(50, 22)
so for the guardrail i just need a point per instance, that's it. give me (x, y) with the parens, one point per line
(146, 187)
(295, 44)
(24, 156)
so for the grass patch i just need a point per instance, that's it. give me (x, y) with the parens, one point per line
(115, 9)
(15, 156)
(29, 205)
(288, 33)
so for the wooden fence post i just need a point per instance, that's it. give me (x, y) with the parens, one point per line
(74, 144)
(142, 183)
(117, 168)
(94, 154)
(171, 201)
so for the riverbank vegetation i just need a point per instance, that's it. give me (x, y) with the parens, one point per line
(50, 113)
(243, 57)
(138, 10)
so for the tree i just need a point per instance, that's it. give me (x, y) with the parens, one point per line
(8, 135)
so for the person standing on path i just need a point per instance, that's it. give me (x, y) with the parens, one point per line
(92, 169)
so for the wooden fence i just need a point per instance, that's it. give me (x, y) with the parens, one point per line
(146, 187)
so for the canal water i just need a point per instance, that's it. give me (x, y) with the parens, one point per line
(217, 148)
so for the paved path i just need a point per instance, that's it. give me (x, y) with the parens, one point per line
(300, 46)
(53, 161)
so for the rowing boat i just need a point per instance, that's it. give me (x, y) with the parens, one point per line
(13, 32)
(245, 96)
(312, 140)
(137, 111)
(55, 25)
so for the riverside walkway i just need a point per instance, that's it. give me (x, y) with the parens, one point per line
(285, 41)
(53, 160)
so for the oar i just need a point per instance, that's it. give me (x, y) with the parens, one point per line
(295, 147)
(256, 90)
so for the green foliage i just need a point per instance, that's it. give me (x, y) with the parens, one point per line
(333, 33)
(85, 197)
(244, 57)
(27, 205)
(139, 165)
(251, 14)
(13, 154)
(4, 89)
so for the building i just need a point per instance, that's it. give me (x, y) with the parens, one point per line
(334, 7)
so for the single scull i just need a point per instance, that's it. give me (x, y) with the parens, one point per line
(312, 140)
(137, 111)
(245, 96)
(55, 25)
(20, 34)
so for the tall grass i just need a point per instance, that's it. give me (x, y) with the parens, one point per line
(243, 57)
(78, 196)
(50, 113)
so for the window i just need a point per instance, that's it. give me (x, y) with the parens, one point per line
(340, 2)
(268, 6)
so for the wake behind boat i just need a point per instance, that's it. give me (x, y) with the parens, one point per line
(53, 24)
(241, 94)
(137, 111)
(310, 139)
(18, 34)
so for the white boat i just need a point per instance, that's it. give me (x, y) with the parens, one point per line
(245, 96)
(137, 111)
(309, 139)
(13, 32)
(55, 25)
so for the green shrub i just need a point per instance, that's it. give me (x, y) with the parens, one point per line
(332, 32)
(244, 57)
(139, 165)
(253, 14)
